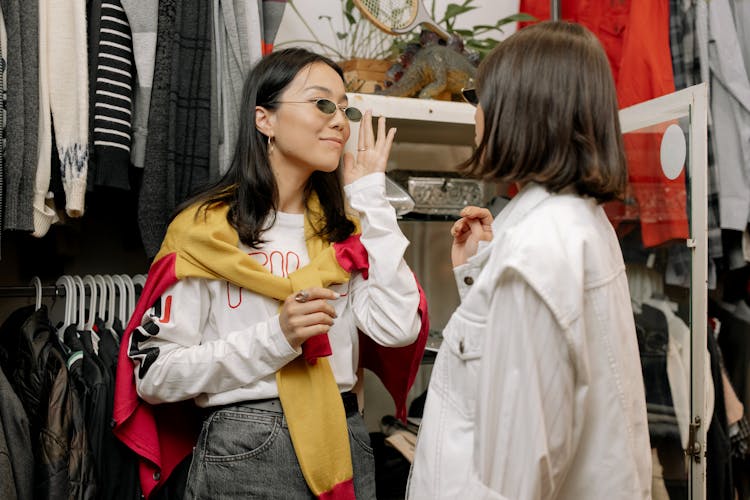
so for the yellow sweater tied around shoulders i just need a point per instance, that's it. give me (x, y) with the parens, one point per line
(207, 246)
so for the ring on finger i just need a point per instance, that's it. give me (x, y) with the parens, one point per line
(302, 296)
(362, 149)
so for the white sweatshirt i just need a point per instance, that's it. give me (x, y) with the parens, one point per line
(221, 344)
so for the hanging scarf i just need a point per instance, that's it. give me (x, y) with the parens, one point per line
(201, 243)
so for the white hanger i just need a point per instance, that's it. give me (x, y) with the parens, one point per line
(131, 297)
(38, 287)
(93, 304)
(112, 291)
(81, 302)
(139, 279)
(123, 300)
(101, 287)
(70, 299)
(72, 303)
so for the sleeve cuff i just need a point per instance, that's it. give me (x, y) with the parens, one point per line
(363, 183)
(465, 275)
(75, 194)
(280, 343)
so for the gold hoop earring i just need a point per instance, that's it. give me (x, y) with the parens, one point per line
(270, 144)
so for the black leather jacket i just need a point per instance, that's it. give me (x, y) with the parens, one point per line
(34, 363)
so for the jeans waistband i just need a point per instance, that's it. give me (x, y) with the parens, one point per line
(349, 399)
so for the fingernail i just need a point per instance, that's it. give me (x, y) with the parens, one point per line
(336, 295)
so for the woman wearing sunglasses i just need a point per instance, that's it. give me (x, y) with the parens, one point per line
(537, 391)
(269, 288)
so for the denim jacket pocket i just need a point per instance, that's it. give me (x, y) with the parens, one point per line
(456, 368)
(464, 337)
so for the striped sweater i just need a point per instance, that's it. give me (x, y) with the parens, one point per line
(113, 96)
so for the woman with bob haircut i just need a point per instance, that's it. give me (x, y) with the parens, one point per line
(272, 289)
(537, 389)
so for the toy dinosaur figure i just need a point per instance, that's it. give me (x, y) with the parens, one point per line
(435, 70)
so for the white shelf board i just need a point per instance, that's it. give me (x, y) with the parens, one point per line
(412, 108)
(421, 120)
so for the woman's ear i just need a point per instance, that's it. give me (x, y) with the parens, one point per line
(264, 121)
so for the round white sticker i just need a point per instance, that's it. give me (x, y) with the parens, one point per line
(673, 150)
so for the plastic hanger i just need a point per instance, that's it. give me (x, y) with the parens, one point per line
(122, 293)
(70, 298)
(101, 290)
(88, 322)
(93, 304)
(112, 292)
(38, 288)
(131, 297)
(139, 279)
(80, 302)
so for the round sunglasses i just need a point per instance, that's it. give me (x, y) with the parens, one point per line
(329, 107)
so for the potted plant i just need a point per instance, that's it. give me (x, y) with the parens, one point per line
(364, 52)
(372, 59)
(476, 41)
(452, 60)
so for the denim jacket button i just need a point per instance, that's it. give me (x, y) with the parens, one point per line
(461, 346)
(157, 476)
(469, 280)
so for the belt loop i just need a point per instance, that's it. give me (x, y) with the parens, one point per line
(351, 404)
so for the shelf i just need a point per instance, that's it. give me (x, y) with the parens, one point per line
(422, 120)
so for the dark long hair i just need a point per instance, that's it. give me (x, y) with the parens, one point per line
(550, 113)
(249, 186)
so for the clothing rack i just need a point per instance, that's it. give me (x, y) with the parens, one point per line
(7, 291)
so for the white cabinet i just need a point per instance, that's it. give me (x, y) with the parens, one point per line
(431, 135)
(421, 120)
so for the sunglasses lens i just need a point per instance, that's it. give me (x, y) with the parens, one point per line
(326, 106)
(353, 114)
(329, 107)
(470, 96)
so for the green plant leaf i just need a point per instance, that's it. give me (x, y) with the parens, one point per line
(454, 10)
(521, 16)
(484, 45)
(349, 7)
(485, 27)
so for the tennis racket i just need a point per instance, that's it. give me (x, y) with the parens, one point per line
(397, 17)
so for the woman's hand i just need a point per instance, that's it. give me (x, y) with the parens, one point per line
(372, 153)
(475, 225)
(306, 314)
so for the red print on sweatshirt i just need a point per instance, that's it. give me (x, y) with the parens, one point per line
(275, 260)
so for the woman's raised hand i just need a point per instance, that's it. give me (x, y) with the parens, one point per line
(372, 153)
(475, 225)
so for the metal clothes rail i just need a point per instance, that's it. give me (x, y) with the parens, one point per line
(31, 291)
(554, 10)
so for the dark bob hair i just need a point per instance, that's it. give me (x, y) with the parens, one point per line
(550, 113)
(249, 186)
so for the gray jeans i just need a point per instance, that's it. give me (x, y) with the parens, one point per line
(246, 452)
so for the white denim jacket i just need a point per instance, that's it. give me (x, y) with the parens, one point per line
(537, 390)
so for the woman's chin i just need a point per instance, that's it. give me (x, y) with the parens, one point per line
(327, 167)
